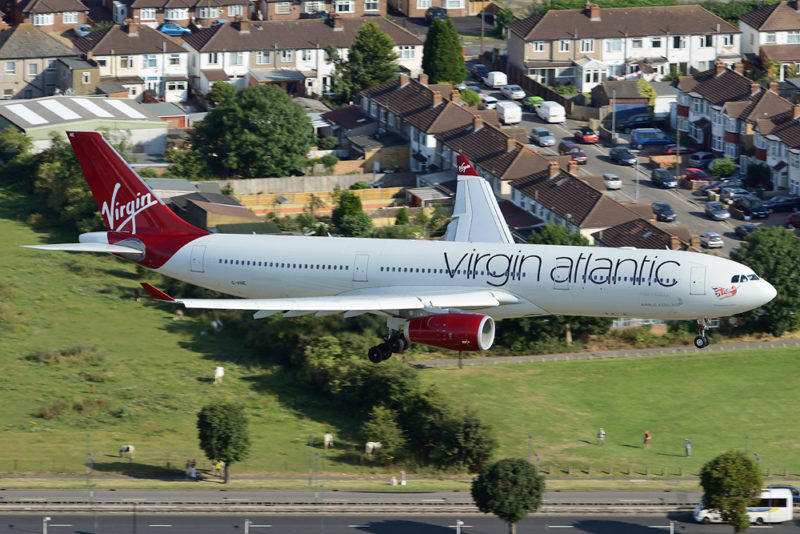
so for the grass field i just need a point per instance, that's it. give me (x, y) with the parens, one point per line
(135, 375)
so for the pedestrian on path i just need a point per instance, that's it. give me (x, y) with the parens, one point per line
(647, 437)
(601, 437)
(688, 446)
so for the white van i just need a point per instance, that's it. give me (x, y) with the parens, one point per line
(495, 79)
(550, 111)
(774, 505)
(509, 112)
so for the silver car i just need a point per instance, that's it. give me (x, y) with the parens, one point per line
(717, 211)
(542, 137)
(711, 240)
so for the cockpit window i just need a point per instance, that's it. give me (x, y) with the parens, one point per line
(735, 278)
(752, 277)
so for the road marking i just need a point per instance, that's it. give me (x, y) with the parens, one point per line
(259, 526)
(159, 525)
(52, 525)
(357, 526)
(633, 500)
(658, 526)
(560, 526)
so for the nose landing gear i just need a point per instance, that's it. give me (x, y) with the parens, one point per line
(702, 341)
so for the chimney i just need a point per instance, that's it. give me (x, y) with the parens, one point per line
(573, 167)
(335, 22)
(720, 66)
(555, 170)
(477, 123)
(739, 67)
(404, 79)
(674, 242)
(796, 111)
(437, 98)
(423, 78)
(89, 55)
(594, 12)
(754, 87)
(455, 97)
(773, 86)
(244, 24)
(695, 241)
(133, 28)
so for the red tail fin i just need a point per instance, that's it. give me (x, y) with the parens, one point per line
(126, 203)
(464, 167)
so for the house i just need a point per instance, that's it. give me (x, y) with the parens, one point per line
(585, 47)
(309, 9)
(350, 121)
(52, 16)
(29, 60)
(454, 8)
(199, 13)
(174, 115)
(288, 53)
(78, 77)
(39, 118)
(773, 32)
(138, 58)
(642, 233)
(208, 210)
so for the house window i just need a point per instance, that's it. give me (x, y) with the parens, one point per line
(795, 160)
(174, 59)
(51, 65)
(769, 37)
(706, 41)
(587, 45)
(176, 86)
(283, 8)
(263, 57)
(637, 43)
(371, 5)
(86, 77)
(717, 144)
(212, 58)
(33, 69)
(43, 19)
(731, 150)
(727, 39)
(731, 126)
(101, 62)
(286, 56)
(344, 6)
(147, 13)
(423, 4)
(774, 149)
(655, 42)
(176, 13)
(235, 11)
(793, 37)
(454, 4)
(70, 17)
(207, 13)
(305, 55)
(149, 61)
(235, 58)
(614, 45)
(697, 105)
(8, 93)
(132, 92)
(678, 42)
(314, 7)
(538, 46)
(126, 62)
(563, 45)
(407, 52)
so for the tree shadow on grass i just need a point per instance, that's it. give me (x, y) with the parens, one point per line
(140, 470)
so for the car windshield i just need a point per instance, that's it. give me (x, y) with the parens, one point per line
(575, 150)
(715, 206)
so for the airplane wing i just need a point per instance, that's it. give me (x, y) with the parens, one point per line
(89, 247)
(476, 215)
(389, 300)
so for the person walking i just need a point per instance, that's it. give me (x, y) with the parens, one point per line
(647, 438)
(601, 437)
(193, 471)
(688, 446)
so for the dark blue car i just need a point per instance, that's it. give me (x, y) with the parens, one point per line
(642, 137)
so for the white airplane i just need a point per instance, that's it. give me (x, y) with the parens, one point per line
(440, 293)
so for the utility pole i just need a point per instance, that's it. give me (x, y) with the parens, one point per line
(613, 116)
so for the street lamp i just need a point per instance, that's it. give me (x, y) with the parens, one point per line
(530, 448)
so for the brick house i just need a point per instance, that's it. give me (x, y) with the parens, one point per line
(773, 31)
(29, 62)
(200, 13)
(54, 16)
(304, 9)
(454, 8)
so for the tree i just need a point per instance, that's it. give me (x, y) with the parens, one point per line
(723, 168)
(371, 60)
(442, 55)
(221, 92)
(555, 234)
(17, 164)
(504, 18)
(645, 89)
(772, 252)
(260, 132)
(464, 441)
(402, 216)
(730, 482)
(470, 97)
(381, 426)
(349, 217)
(758, 176)
(510, 489)
(223, 434)
(189, 164)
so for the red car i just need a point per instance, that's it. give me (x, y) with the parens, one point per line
(793, 220)
(693, 173)
(584, 134)
(573, 151)
(673, 149)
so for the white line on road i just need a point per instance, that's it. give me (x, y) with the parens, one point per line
(357, 526)
(52, 525)
(259, 526)
(560, 526)
(633, 500)
(159, 525)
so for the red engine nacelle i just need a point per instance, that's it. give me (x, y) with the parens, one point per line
(456, 331)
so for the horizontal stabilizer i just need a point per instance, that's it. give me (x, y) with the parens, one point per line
(89, 247)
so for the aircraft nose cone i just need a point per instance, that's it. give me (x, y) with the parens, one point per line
(769, 292)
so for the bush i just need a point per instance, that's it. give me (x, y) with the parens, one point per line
(327, 143)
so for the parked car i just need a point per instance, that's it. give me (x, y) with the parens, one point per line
(717, 185)
(542, 136)
(475, 88)
(622, 155)
(82, 30)
(512, 92)
(675, 149)
(488, 101)
(584, 134)
(663, 212)
(793, 220)
(794, 490)
(531, 103)
(220, 22)
(749, 207)
(700, 159)
(479, 71)
(693, 173)
(642, 137)
(729, 193)
(663, 178)
(612, 181)
(717, 211)
(634, 121)
(783, 203)
(170, 28)
(744, 230)
(711, 240)
(435, 13)
(495, 79)
(574, 151)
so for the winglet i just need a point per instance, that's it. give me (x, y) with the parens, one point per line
(464, 167)
(156, 293)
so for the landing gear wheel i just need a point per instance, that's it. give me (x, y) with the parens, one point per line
(386, 351)
(375, 354)
(398, 344)
(700, 342)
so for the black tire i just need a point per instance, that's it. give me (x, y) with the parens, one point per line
(706, 520)
(398, 344)
(700, 342)
(375, 355)
(759, 521)
(385, 350)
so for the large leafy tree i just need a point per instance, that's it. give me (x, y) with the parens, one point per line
(349, 217)
(730, 481)
(442, 55)
(371, 60)
(258, 133)
(223, 434)
(381, 426)
(772, 253)
(510, 489)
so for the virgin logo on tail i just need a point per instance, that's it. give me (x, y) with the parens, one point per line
(464, 167)
(118, 215)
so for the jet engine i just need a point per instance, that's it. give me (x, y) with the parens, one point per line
(455, 331)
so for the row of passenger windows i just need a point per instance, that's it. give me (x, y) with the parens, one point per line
(423, 270)
(286, 265)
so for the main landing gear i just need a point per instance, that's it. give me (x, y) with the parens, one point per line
(701, 341)
(395, 342)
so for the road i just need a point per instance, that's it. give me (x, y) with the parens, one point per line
(367, 523)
